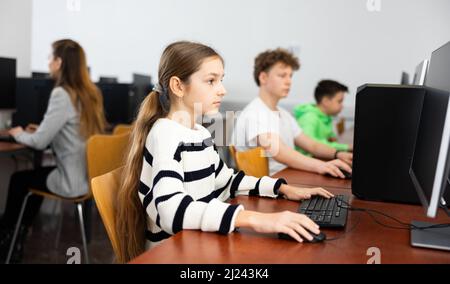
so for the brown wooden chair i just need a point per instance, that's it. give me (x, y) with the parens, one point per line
(105, 189)
(253, 162)
(340, 126)
(122, 128)
(104, 153)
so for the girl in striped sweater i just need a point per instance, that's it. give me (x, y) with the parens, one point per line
(174, 178)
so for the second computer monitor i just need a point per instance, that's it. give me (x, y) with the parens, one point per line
(405, 79)
(116, 102)
(7, 83)
(32, 96)
(438, 75)
(420, 74)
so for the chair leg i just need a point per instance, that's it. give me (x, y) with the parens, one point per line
(88, 207)
(83, 232)
(60, 222)
(16, 230)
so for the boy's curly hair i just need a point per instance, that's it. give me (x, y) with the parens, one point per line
(265, 60)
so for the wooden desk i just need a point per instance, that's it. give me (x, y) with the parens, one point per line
(6, 147)
(298, 177)
(361, 233)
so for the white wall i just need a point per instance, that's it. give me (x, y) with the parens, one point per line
(341, 39)
(15, 33)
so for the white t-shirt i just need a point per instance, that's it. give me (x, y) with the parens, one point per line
(256, 119)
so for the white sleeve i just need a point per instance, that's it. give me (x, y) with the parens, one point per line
(260, 123)
(296, 129)
(172, 209)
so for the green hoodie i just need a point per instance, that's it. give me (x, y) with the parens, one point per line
(316, 125)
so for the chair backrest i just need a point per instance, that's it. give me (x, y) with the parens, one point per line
(105, 189)
(253, 162)
(106, 153)
(340, 126)
(122, 128)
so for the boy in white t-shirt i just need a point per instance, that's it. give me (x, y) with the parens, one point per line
(263, 123)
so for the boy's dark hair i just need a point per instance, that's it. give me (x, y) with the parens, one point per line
(328, 88)
(265, 60)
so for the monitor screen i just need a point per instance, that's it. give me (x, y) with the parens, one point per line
(430, 167)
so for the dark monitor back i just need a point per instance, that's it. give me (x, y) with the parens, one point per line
(405, 78)
(32, 97)
(438, 75)
(141, 80)
(7, 83)
(141, 87)
(386, 121)
(116, 101)
(40, 75)
(108, 80)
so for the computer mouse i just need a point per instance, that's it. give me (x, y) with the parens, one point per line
(316, 238)
(347, 175)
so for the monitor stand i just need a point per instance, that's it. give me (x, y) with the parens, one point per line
(434, 238)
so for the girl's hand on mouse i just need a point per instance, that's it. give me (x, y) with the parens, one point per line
(301, 193)
(298, 226)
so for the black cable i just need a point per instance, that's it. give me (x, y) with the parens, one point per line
(346, 232)
(407, 225)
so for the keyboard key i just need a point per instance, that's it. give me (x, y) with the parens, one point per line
(325, 204)
(331, 204)
(326, 212)
(318, 205)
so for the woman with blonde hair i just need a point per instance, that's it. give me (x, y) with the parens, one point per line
(74, 113)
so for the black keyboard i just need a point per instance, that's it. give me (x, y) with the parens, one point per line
(327, 213)
(7, 138)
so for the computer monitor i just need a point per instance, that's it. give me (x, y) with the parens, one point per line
(430, 166)
(108, 80)
(420, 74)
(141, 87)
(40, 75)
(405, 78)
(438, 75)
(142, 80)
(7, 83)
(32, 96)
(116, 101)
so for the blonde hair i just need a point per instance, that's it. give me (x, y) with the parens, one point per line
(180, 59)
(74, 77)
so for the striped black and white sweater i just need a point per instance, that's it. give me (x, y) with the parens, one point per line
(184, 184)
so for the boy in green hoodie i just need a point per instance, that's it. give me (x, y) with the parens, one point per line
(316, 120)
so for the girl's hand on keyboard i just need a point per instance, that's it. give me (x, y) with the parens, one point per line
(301, 193)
